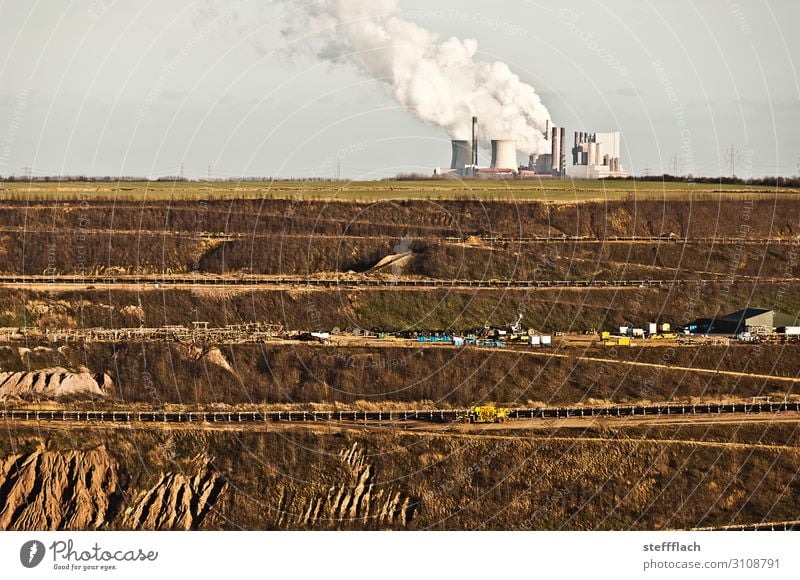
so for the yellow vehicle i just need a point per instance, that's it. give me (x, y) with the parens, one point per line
(487, 414)
(665, 336)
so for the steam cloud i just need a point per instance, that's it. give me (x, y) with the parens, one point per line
(439, 82)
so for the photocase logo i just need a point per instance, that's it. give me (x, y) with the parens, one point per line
(32, 553)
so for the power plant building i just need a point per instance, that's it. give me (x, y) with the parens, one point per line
(596, 156)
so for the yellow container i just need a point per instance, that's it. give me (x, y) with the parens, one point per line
(624, 342)
(605, 335)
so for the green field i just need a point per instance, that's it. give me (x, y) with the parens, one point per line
(515, 190)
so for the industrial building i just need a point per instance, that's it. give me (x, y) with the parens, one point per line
(594, 156)
(752, 320)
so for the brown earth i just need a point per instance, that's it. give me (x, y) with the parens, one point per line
(290, 238)
(300, 308)
(58, 490)
(177, 501)
(777, 217)
(365, 479)
(358, 499)
(54, 383)
(162, 373)
(37, 253)
(85, 489)
(587, 476)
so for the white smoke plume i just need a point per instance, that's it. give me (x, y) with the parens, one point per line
(440, 82)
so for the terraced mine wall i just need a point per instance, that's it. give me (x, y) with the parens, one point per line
(293, 237)
(160, 373)
(299, 308)
(351, 479)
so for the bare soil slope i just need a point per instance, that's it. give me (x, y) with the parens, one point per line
(357, 479)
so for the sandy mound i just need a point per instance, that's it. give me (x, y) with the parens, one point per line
(177, 501)
(212, 355)
(47, 490)
(215, 356)
(394, 262)
(54, 382)
(360, 498)
(84, 490)
(473, 241)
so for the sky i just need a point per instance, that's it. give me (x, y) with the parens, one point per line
(168, 87)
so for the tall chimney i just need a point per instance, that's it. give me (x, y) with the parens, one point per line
(562, 166)
(554, 150)
(575, 149)
(474, 140)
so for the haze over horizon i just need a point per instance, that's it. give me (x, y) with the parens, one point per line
(107, 88)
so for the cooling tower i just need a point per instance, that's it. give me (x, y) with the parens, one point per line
(504, 154)
(462, 154)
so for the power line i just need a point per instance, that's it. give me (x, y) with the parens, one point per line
(675, 165)
(733, 161)
(730, 157)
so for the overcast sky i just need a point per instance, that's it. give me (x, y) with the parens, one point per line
(116, 87)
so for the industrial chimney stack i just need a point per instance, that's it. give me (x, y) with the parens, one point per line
(474, 140)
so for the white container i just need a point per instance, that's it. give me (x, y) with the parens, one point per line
(547, 340)
(638, 332)
(652, 328)
(623, 330)
(792, 330)
(535, 340)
